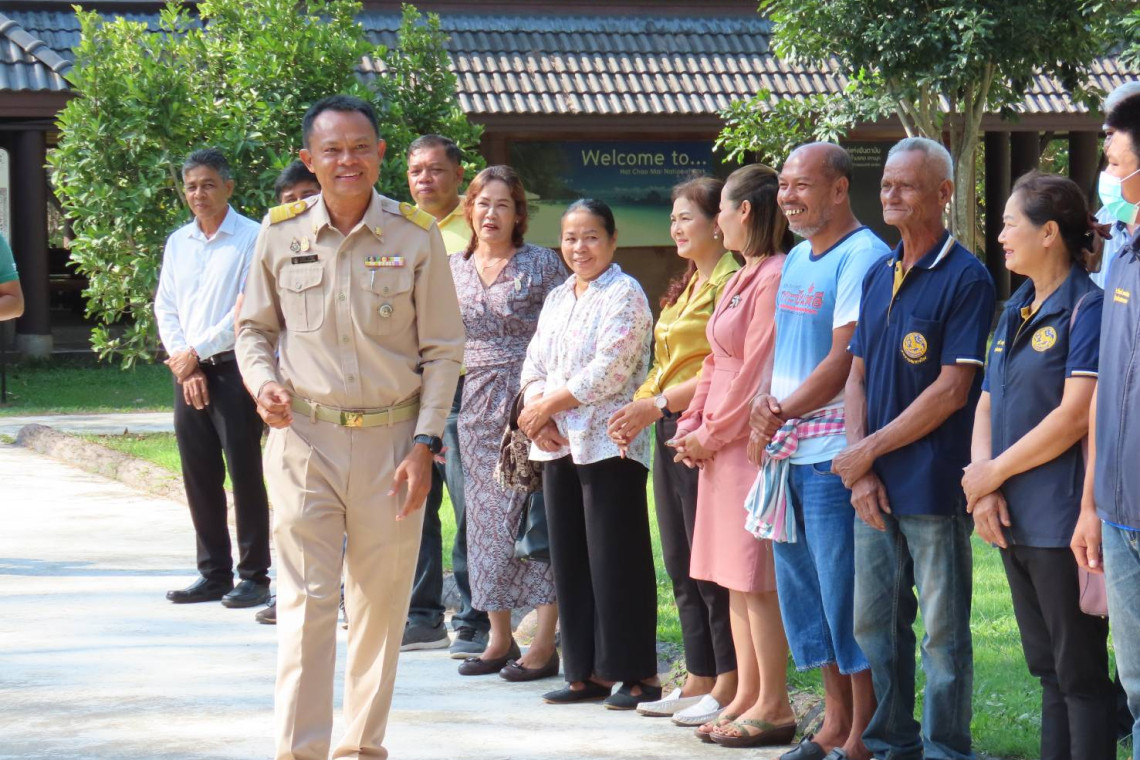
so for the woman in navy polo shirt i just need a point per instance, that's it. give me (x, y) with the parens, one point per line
(1025, 481)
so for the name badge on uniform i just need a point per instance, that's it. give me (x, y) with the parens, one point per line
(310, 259)
(383, 262)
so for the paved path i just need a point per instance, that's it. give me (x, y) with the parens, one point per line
(96, 665)
(93, 424)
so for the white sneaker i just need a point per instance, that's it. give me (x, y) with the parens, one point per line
(699, 714)
(663, 708)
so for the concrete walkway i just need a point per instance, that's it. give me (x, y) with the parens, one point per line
(93, 424)
(95, 664)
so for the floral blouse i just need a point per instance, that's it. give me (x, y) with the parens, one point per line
(597, 347)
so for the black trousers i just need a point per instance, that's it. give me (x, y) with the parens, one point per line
(598, 521)
(702, 606)
(229, 424)
(1067, 650)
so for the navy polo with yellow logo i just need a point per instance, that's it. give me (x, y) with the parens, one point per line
(910, 325)
(1031, 356)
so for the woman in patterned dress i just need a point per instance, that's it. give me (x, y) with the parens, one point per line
(501, 283)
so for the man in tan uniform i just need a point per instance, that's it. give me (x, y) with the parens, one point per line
(354, 294)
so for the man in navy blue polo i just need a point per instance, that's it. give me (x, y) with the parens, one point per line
(918, 348)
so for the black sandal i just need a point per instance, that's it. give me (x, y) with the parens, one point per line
(625, 699)
(564, 696)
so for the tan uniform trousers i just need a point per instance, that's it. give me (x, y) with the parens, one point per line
(327, 481)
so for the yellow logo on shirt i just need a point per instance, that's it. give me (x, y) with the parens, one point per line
(914, 348)
(1044, 339)
(1120, 295)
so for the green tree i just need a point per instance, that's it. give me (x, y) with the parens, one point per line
(937, 65)
(237, 76)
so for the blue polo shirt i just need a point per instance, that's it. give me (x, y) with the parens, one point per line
(1031, 356)
(939, 314)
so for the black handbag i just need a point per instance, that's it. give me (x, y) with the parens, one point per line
(532, 542)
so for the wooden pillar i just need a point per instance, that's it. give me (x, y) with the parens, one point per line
(1024, 153)
(30, 240)
(997, 192)
(1084, 159)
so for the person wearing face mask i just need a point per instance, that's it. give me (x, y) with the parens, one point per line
(713, 435)
(587, 358)
(502, 283)
(1121, 232)
(1110, 506)
(1024, 482)
(680, 346)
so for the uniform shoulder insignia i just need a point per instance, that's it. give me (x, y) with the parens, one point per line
(416, 216)
(289, 210)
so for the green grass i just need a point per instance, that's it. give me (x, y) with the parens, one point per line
(1007, 699)
(62, 386)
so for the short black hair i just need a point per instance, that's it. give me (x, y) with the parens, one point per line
(211, 157)
(454, 154)
(1125, 117)
(596, 207)
(293, 174)
(342, 103)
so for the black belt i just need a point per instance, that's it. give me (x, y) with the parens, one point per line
(219, 358)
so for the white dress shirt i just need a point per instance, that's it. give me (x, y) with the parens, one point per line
(200, 282)
(597, 347)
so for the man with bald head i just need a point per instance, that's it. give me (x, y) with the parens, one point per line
(816, 309)
(915, 380)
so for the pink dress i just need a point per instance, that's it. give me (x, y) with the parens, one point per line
(742, 335)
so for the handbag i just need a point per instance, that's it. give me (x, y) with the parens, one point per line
(532, 542)
(514, 470)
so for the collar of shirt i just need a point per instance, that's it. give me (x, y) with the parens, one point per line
(228, 225)
(600, 282)
(1061, 299)
(932, 258)
(455, 212)
(372, 219)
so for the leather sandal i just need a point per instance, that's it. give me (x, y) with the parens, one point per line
(515, 671)
(713, 725)
(477, 666)
(768, 735)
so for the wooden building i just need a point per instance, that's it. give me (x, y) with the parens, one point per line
(635, 83)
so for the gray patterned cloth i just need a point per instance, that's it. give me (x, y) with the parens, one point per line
(500, 320)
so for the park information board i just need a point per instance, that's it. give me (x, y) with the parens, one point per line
(634, 177)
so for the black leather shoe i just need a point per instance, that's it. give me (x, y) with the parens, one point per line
(247, 594)
(477, 666)
(201, 590)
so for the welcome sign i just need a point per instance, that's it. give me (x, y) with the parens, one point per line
(634, 178)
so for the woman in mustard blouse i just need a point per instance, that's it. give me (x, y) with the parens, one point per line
(680, 346)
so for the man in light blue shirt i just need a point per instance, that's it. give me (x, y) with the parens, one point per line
(203, 271)
(816, 310)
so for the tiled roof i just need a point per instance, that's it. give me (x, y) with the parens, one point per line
(559, 65)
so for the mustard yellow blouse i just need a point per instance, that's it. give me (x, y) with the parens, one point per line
(679, 341)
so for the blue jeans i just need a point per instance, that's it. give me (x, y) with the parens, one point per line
(932, 553)
(427, 592)
(815, 576)
(1122, 580)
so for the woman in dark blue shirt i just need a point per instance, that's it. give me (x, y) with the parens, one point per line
(1027, 472)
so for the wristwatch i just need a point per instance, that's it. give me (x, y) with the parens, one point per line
(661, 403)
(433, 442)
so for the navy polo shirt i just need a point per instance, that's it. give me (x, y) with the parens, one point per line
(940, 314)
(1029, 362)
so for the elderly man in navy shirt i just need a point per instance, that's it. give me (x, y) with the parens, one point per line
(1110, 507)
(915, 380)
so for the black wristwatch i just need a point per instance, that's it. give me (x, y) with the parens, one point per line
(433, 442)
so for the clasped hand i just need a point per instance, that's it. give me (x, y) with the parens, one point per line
(537, 424)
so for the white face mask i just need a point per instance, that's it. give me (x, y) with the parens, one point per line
(1112, 197)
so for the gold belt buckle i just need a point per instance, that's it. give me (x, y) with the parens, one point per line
(353, 419)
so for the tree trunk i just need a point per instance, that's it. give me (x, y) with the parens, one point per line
(964, 203)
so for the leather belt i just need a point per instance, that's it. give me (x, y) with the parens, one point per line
(219, 358)
(357, 418)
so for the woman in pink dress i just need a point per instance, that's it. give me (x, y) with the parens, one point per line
(713, 435)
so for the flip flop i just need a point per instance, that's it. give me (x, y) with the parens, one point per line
(769, 734)
(706, 736)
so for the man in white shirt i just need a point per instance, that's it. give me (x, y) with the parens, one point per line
(203, 270)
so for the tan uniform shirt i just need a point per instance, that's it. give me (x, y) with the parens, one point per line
(325, 318)
(455, 230)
